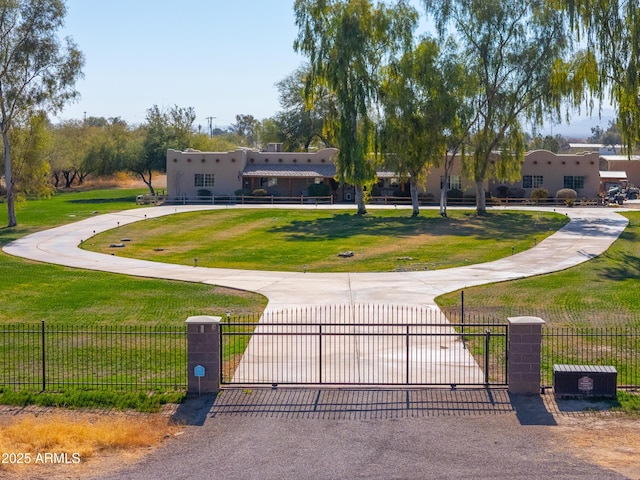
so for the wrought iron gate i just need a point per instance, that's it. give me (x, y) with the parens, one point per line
(362, 345)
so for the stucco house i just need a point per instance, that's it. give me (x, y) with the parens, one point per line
(192, 174)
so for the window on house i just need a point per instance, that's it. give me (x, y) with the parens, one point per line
(204, 180)
(268, 181)
(455, 182)
(575, 182)
(532, 181)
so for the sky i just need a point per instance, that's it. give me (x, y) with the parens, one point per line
(221, 57)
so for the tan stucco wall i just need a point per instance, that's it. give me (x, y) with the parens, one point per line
(182, 167)
(553, 168)
(228, 168)
(632, 167)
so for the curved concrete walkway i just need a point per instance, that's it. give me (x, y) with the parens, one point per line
(590, 233)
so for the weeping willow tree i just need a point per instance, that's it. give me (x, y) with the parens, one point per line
(348, 43)
(511, 47)
(610, 62)
(421, 100)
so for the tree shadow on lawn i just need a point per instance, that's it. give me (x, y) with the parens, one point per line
(99, 201)
(9, 234)
(504, 225)
(626, 266)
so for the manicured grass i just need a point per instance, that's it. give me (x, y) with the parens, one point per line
(79, 297)
(74, 398)
(289, 240)
(600, 292)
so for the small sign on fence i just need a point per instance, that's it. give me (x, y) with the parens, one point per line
(198, 371)
(585, 384)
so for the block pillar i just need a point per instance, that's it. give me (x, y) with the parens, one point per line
(203, 350)
(525, 339)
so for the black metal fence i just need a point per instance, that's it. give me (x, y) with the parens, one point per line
(362, 345)
(355, 345)
(43, 357)
(615, 346)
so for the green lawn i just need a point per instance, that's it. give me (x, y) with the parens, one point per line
(289, 240)
(603, 291)
(80, 297)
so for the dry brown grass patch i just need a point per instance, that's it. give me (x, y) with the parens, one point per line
(91, 438)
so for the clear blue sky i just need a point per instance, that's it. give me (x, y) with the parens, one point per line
(221, 57)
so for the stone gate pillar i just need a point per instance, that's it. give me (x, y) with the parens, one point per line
(203, 354)
(525, 338)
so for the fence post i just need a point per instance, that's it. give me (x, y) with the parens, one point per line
(525, 338)
(487, 346)
(44, 360)
(203, 350)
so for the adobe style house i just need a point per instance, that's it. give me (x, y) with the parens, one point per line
(192, 174)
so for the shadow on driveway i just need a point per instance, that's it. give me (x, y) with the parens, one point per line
(335, 403)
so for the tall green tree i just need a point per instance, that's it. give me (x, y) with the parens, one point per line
(611, 31)
(512, 47)
(421, 101)
(348, 43)
(71, 142)
(31, 146)
(301, 122)
(246, 127)
(163, 129)
(38, 71)
(111, 148)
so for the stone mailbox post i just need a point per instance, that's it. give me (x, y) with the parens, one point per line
(525, 337)
(203, 351)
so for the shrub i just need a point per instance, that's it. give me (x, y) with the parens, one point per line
(203, 192)
(539, 193)
(567, 193)
(259, 192)
(502, 191)
(515, 192)
(242, 191)
(319, 190)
